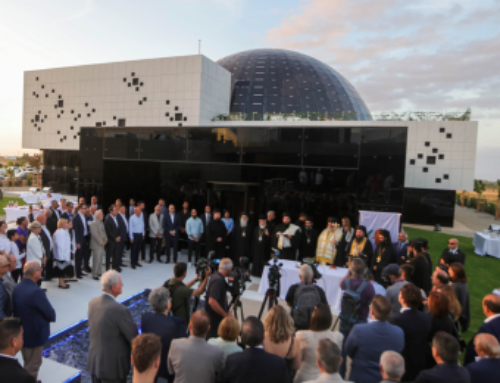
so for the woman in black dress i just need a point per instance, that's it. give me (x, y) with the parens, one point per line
(441, 320)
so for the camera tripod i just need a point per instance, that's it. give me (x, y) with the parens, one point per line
(271, 295)
(234, 305)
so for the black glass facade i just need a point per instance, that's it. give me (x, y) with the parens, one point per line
(322, 171)
(277, 81)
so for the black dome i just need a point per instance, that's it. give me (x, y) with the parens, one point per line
(278, 81)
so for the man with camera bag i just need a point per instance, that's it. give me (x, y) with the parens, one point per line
(181, 293)
(303, 298)
(358, 294)
(217, 307)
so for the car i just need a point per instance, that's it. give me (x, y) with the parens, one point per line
(28, 168)
(21, 176)
(2, 178)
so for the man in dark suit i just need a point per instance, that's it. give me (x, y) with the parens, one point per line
(416, 327)
(401, 248)
(95, 202)
(82, 239)
(53, 218)
(486, 369)
(113, 245)
(367, 342)
(33, 308)
(453, 252)
(171, 230)
(206, 217)
(445, 350)
(68, 211)
(48, 245)
(11, 342)
(254, 364)
(123, 223)
(491, 309)
(145, 218)
(111, 331)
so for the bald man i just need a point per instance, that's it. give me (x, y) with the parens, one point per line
(453, 252)
(485, 370)
(491, 325)
(35, 311)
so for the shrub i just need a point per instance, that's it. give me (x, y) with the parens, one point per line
(1, 184)
(18, 182)
(472, 202)
(491, 208)
(29, 179)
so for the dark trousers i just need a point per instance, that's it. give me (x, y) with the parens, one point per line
(172, 240)
(48, 268)
(17, 274)
(155, 247)
(143, 248)
(136, 248)
(121, 248)
(112, 256)
(82, 254)
(343, 365)
(197, 248)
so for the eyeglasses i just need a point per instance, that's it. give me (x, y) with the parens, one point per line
(451, 243)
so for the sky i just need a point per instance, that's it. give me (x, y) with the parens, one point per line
(420, 55)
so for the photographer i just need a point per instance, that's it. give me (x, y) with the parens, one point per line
(181, 293)
(303, 298)
(217, 307)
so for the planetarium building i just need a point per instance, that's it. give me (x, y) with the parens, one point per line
(258, 130)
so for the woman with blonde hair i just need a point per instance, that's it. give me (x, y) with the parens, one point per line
(455, 307)
(279, 338)
(63, 267)
(228, 332)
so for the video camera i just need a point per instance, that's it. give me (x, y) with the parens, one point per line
(204, 263)
(274, 274)
(311, 262)
(238, 276)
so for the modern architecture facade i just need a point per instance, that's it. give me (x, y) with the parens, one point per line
(259, 130)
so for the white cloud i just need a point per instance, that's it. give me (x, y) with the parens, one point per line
(400, 55)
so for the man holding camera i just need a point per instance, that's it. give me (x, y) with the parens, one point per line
(217, 307)
(181, 293)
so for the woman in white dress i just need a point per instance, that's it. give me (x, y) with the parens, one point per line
(34, 245)
(63, 268)
(319, 329)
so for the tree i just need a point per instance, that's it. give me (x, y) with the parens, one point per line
(35, 161)
(10, 175)
(479, 188)
(10, 163)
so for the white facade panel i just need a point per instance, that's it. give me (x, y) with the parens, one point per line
(136, 91)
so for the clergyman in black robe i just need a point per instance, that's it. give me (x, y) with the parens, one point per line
(286, 238)
(242, 239)
(261, 247)
(216, 232)
(361, 247)
(421, 275)
(308, 240)
(383, 256)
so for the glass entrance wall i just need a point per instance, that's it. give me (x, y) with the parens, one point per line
(319, 170)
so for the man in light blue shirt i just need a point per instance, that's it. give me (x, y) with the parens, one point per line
(136, 234)
(194, 230)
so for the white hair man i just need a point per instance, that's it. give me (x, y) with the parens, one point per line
(328, 358)
(392, 367)
(109, 320)
(301, 292)
(98, 240)
(217, 307)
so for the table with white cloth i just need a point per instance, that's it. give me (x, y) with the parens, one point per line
(486, 245)
(13, 213)
(329, 282)
(30, 197)
(495, 227)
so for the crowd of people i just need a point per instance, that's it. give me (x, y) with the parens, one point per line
(401, 318)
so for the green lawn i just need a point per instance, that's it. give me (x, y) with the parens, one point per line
(482, 272)
(5, 202)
